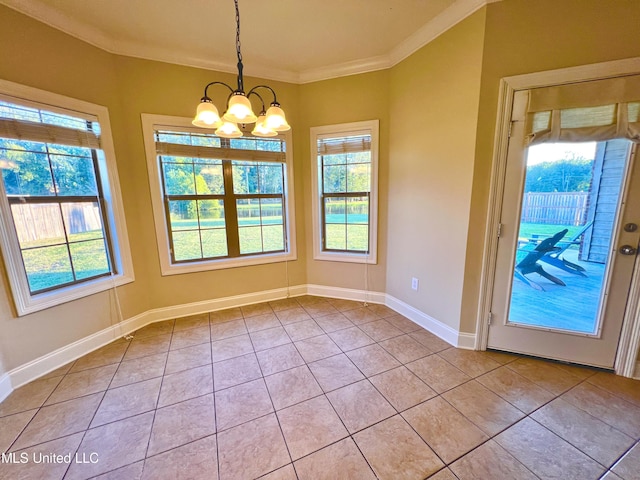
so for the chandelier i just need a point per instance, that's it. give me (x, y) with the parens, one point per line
(239, 111)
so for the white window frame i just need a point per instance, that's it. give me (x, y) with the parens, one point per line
(25, 302)
(150, 123)
(367, 127)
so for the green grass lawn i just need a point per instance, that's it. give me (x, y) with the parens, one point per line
(212, 243)
(347, 237)
(48, 265)
(527, 230)
(542, 230)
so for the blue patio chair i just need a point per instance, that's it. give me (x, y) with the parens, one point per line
(554, 258)
(529, 264)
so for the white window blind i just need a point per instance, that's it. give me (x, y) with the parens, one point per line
(590, 111)
(46, 133)
(221, 153)
(190, 143)
(337, 146)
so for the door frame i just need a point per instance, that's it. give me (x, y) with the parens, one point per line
(629, 342)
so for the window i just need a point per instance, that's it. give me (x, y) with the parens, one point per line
(61, 233)
(345, 206)
(218, 202)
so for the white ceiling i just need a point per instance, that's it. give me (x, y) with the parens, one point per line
(291, 40)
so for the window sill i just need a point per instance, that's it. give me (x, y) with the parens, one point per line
(207, 265)
(346, 257)
(41, 301)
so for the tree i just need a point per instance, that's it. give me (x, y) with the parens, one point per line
(566, 175)
(184, 177)
(29, 168)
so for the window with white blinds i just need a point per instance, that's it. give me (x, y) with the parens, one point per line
(218, 202)
(345, 191)
(60, 236)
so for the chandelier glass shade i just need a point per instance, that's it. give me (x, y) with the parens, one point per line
(207, 115)
(239, 111)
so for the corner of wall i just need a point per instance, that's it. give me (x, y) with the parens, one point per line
(437, 89)
(5, 379)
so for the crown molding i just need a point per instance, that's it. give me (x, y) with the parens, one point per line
(187, 59)
(355, 67)
(436, 27)
(426, 34)
(48, 15)
(52, 17)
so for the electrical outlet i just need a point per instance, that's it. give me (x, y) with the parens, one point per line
(414, 284)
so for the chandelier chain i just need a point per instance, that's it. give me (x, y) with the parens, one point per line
(238, 32)
(239, 110)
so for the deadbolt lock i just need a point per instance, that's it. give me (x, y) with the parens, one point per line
(630, 227)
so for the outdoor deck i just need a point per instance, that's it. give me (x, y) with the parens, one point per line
(571, 307)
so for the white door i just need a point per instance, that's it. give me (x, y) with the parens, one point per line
(565, 257)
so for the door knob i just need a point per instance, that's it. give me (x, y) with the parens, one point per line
(627, 250)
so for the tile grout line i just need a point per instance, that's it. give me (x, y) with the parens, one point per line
(619, 459)
(343, 352)
(153, 421)
(213, 393)
(104, 394)
(275, 413)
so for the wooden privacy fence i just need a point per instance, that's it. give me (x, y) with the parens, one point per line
(555, 208)
(38, 221)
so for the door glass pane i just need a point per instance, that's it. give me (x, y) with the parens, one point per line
(569, 207)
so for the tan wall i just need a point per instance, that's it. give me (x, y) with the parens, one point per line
(434, 109)
(342, 100)
(35, 55)
(162, 88)
(437, 117)
(45, 58)
(524, 37)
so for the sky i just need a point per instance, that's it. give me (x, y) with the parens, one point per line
(547, 152)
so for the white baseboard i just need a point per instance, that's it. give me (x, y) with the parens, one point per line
(5, 386)
(442, 330)
(62, 356)
(177, 311)
(56, 359)
(346, 293)
(445, 332)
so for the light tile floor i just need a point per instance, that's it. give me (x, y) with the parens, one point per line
(316, 388)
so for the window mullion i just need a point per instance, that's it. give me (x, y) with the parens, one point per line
(67, 244)
(230, 210)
